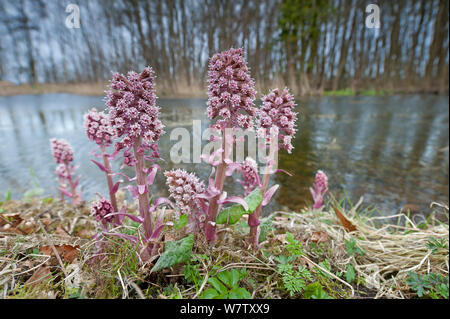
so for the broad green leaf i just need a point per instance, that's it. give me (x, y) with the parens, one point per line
(234, 213)
(239, 293)
(226, 278)
(209, 293)
(230, 215)
(312, 289)
(175, 252)
(234, 277)
(218, 285)
(253, 200)
(245, 294)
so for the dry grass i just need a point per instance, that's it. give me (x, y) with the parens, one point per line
(390, 251)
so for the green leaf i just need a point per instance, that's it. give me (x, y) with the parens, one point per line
(350, 273)
(181, 222)
(226, 278)
(352, 248)
(175, 252)
(253, 200)
(434, 244)
(315, 291)
(232, 214)
(239, 293)
(294, 247)
(218, 285)
(209, 293)
(192, 275)
(235, 275)
(419, 284)
(265, 227)
(325, 264)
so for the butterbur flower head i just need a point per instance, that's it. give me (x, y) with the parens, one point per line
(321, 182)
(249, 173)
(277, 110)
(97, 127)
(320, 189)
(61, 151)
(131, 101)
(184, 188)
(231, 91)
(100, 209)
(61, 172)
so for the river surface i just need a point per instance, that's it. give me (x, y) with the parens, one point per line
(392, 150)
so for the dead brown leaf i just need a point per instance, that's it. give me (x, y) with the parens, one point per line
(27, 227)
(13, 219)
(61, 231)
(344, 221)
(46, 221)
(319, 237)
(39, 276)
(66, 252)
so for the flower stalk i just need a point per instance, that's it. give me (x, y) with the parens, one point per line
(99, 130)
(231, 94)
(112, 193)
(277, 115)
(143, 197)
(63, 154)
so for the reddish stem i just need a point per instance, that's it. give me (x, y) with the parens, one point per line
(109, 180)
(253, 219)
(72, 188)
(210, 226)
(144, 204)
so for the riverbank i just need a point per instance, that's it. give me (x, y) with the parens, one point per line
(86, 89)
(182, 92)
(47, 251)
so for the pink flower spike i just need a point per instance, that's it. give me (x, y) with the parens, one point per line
(132, 108)
(231, 90)
(184, 188)
(277, 112)
(320, 189)
(101, 210)
(61, 151)
(97, 126)
(250, 177)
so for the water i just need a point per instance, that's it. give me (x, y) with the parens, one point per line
(391, 150)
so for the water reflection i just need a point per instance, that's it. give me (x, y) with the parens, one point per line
(393, 150)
